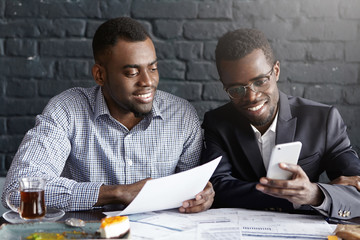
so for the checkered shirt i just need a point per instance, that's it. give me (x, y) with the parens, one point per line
(78, 146)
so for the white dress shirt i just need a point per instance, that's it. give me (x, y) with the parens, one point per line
(266, 142)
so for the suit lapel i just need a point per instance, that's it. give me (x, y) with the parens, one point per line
(246, 138)
(286, 126)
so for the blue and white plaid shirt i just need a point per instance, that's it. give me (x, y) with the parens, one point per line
(78, 146)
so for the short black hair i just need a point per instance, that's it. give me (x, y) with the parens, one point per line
(112, 30)
(237, 44)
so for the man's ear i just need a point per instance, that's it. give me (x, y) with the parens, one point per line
(277, 70)
(98, 73)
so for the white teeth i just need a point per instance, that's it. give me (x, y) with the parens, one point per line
(144, 95)
(256, 108)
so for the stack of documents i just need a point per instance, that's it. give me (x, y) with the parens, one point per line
(228, 223)
(147, 222)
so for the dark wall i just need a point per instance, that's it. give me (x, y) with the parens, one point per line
(45, 48)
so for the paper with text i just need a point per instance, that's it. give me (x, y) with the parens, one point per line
(228, 223)
(170, 192)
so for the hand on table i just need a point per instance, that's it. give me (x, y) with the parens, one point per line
(298, 190)
(201, 202)
(350, 181)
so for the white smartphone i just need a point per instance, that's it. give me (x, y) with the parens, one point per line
(286, 153)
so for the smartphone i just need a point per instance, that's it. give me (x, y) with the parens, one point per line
(286, 153)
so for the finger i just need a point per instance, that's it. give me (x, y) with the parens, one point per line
(298, 172)
(194, 202)
(200, 195)
(200, 199)
(355, 184)
(206, 193)
(185, 205)
(350, 181)
(276, 183)
(194, 209)
(197, 207)
(200, 203)
(294, 196)
(284, 192)
(291, 167)
(358, 185)
(207, 190)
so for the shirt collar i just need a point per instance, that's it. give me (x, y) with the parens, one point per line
(155, 110)
(101, 107)
(271, 128)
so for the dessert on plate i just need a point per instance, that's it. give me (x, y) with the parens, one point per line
(114, 227)
(348, 232)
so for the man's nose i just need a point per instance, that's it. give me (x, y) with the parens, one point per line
(250, 94)
(145, 79)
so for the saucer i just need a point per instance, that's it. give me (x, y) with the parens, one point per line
(52, 214)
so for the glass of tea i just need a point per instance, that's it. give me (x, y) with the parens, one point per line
(32, 199)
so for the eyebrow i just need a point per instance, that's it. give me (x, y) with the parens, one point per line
(138, 66)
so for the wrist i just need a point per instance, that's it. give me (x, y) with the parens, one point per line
(109, 194)
(319, 196)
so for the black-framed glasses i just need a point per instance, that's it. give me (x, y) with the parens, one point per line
(258, 85)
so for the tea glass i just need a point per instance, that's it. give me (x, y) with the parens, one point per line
(32, 198)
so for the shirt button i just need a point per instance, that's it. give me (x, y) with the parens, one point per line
(130, 162)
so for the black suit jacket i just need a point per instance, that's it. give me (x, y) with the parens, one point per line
(325, 147)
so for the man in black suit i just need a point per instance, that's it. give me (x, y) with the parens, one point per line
(259, 116)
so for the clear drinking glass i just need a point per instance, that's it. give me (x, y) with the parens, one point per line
(32, 198)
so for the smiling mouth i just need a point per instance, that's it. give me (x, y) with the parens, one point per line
(253, 109)
(144, 98)
(146, 95)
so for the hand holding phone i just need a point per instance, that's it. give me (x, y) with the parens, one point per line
(283, 153)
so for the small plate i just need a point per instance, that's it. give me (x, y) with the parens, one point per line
(52, 230)
(49, 230)
(52, 214)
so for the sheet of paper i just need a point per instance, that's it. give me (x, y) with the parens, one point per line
(170, 192)
(266, 224)
(228, 223)
(215, 231)
(141, 231)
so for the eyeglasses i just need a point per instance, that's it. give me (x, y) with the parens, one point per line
(258, 85)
